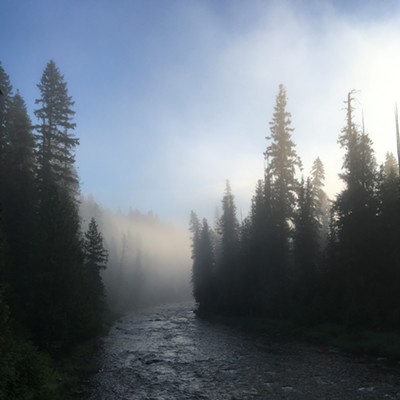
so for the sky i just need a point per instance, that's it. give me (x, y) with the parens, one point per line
(174, 97)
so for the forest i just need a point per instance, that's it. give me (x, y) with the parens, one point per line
(300, 255)
(68, 266)
(51, 292)
(297, 255)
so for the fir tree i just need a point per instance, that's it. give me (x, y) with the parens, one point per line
(96, 255)
(391, 165)
(306, 245)
(57, 316)
(194, 228)
(228, 273)
(95, 260)
(320, 199)
(19, 201)
(355, 211)
(56, 141)
(282, 162)
(282, 192)
(203, 270)
(386, 244)
(5, 99)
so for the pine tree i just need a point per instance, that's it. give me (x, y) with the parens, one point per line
(320, 199)
(96, 255)
(95, 260)
(282, 162)
(355, 210)
(194, 228)
(19, 201)
(203, 270)
(306, 245)
(282, 187)
(388, 226)
(59, 271)
(257, 260)
(391, 165)
(5, 99)
(56, 141)
(57, 314)
(228, 273)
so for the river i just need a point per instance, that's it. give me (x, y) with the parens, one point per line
(167, 353)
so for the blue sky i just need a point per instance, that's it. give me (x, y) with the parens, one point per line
(173, 97)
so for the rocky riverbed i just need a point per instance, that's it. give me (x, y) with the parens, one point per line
(166, 353)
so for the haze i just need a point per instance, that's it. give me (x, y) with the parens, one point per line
(173, 98)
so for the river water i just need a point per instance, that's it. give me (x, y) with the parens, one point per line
(167, 353)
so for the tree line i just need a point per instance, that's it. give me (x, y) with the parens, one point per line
(299, 254)
(51, 292)
(147, 257)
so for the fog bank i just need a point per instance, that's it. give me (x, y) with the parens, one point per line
(149, 260)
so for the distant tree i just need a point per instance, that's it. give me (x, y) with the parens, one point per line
(56, 141)
(195, 229)
(203, 270)
(391, 165)
(137, 280)
(320, 199)
(96, 255)
(95, 260)
(228, 272)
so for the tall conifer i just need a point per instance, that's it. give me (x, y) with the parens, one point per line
(56, 140)
(282, 162)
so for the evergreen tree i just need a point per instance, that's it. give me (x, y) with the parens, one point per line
(282, 162)
(306, 245)
(388, 226)
(5, 99)
(96, 255)
(320, 199)
(228, 273)
(195, 228)
(257, 230)
(356, 259)
(282, 191)
(56, 317)
(19, 203)
(60, 274)
(203, 270)
(95, 260)
(391, 165)
(56, 141)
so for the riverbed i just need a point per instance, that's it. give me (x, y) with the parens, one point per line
(167, 353)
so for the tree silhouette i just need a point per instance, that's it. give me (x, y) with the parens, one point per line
(56, 141)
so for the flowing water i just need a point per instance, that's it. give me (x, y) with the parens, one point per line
(167, 353)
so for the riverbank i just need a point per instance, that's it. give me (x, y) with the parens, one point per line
(378, 344)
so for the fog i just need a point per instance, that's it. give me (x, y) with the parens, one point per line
(149, 260)
(194, 83)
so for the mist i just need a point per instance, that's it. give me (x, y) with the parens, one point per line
(149, 259)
